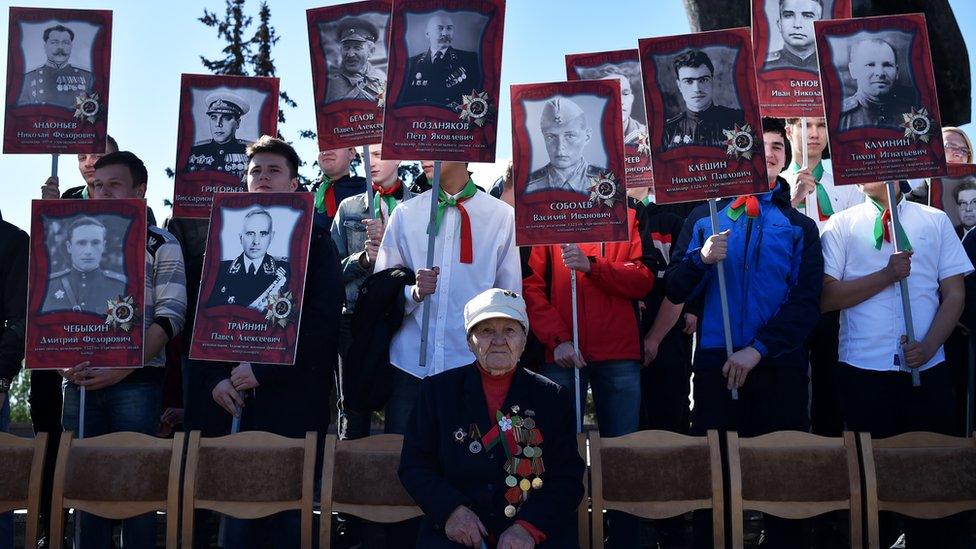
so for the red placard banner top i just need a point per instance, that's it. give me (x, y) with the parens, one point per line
(57, 81)
(349, 45)
(706, 132)
(623, 66)
(444, 77)
(880, 98)
(786, 54)
(87, 287)
(219, 117)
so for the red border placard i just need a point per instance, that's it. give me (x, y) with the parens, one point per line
(348, 122)
(193, 191)
(869, 154)
(62, 339)
(235, 332)
(938, 185)
(428, 132)
(562, 216)
(788, 92)
(48, 128)
(694, 172)
(639, 173)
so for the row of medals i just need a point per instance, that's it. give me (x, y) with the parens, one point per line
(527, 440)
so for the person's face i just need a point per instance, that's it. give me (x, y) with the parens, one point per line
(86, 165)
(355, 54)
(816, 136)
(877, 190)
(565, 142)
(795, 22)
(775, 154)
(626, 95)
(335, 162)
(695, 84)
(440, 32)
(874, 69)
(256, 235)
(223, 126)
(58, 47)
(497, 343)
(449, 170)
(967, 207)
(115, 181)
(957, 151)
(270, 173)
(384, 172)
(86, 246)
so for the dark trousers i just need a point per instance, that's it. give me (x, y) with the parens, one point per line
(45, 400)
(352, 423)
(825, 415)
(886, 404)
(665, 386)
(774, 398)
(957, 351)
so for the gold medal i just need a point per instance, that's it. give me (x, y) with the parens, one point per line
(537, 483)
(509, 511)
(525, 485)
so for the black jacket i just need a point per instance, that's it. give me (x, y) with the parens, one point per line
(366, 383)
(440, 474)
(291, 400)
(14, 246)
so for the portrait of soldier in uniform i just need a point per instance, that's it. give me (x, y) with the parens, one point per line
(255, 275)
(880, 100)
(356, 77)
(963, 197)
(633, 128)
(57, 82)
(84, 286)
(701, 121)
(441, 74)
(795, 24)
(566, 133)
(224, 152)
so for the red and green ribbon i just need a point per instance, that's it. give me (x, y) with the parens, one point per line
(748, 204)
(443, 202)
(502, 432)
(384, 196)
(882, 229)
(325, 198)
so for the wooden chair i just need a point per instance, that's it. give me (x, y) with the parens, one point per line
(359, 477)
(249, 475)
(794, 475)
(920, 475)
(20, 483)
(583, 511)
(117, 476)
(656, 475)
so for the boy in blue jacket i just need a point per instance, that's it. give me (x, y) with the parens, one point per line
(774, 271)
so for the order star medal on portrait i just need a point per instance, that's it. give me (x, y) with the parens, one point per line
(279, 308)
(917, 124)
(475, 107)
(739, 141)
(87, 107)
(604, 189)
(121, 313)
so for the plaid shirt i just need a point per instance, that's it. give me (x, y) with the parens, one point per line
(165, 284)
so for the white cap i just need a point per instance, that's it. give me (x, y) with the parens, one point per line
(495, 303)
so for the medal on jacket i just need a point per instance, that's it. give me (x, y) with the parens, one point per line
(521, 441)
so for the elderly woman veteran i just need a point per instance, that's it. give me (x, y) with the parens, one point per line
(490, 451)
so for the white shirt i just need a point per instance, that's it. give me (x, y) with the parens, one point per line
(842, 197)
(251, 266)
(870, 331)
(496, 265)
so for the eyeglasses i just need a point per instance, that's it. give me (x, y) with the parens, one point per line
(962, 151)
(971, 205)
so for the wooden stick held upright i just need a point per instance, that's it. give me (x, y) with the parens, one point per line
(723, 293)
(369, 182)
(803, 144)
(576, 373)
(54, 165)
(906, 302)
(435, 191)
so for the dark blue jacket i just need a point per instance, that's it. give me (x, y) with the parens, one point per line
(773, 273)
